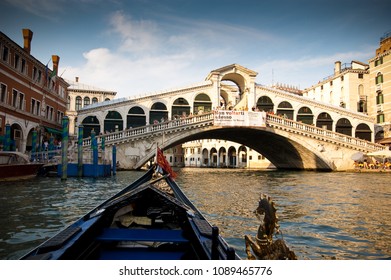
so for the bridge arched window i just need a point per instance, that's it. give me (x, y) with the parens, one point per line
(344, 126)
(202, 104)
(136, 117)
(90, 123)
(363, 131)
(264, 103)
(113, 122)
(305, 115)
(78, 102)
(324, 121)
(158, 113)
(180, 107)
(94, 100)
(285, 109)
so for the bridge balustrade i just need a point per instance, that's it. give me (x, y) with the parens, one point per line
(119, 136)
(273, 121)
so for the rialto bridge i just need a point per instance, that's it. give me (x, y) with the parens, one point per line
(298, 133)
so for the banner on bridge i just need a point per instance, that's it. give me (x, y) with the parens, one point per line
(239, 118)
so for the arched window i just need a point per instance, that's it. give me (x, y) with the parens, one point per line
(285, 109)
(94, 100)
(86, 101)
(90, 123)
(363, 131)
(379, 78)
(68, 103)
(264, 103)
(305, 115)
(113, 121)
(324, 121)
(136, 117)
(202, 104)
(78, 103)
(344, 126)
(158, 113)
(180, 107)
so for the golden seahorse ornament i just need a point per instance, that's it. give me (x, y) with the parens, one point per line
(264, 248)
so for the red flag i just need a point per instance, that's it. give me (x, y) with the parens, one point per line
(163, 163)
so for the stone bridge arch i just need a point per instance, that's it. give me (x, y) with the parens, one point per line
(285, 151)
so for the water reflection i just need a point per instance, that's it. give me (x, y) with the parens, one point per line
(322, 215)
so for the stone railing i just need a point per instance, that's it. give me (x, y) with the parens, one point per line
(272, 121)
(320, 133)
(145, 131)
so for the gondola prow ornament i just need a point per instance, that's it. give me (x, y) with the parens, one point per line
(264, 248)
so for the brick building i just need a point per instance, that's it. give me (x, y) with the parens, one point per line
(32, 96)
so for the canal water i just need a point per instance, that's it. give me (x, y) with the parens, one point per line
(334, 215)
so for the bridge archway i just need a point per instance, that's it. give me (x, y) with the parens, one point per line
(113, 121)
(90, 123)
(344, 126)
(285, 109)
(202, 104)
(158, 112)
(230, 92)
(305, 115)
(363, 131)
(325, 121)
(264, 103)
(180, 107)
(283, 151)
(136, 117)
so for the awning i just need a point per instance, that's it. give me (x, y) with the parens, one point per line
(385, 141)
(53, 130)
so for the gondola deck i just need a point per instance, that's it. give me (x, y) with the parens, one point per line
(142, 221)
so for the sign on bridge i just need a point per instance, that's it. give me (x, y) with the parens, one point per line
(239, 118)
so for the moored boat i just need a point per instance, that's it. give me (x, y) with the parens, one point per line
(16, 166)
(150, 219)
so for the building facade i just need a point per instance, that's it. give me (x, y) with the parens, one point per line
(222, 153)
(364, 88)
(32, 97)
(348, 87)
(380, 89)
(81, 95)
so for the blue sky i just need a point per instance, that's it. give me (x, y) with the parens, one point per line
(142, 46)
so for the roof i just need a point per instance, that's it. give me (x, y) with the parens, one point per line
(77, 86)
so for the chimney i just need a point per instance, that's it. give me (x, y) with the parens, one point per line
(77, 79)
(337, 67)
(56, 61)
(27, 36)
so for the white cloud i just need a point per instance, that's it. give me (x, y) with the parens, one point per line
(147, 58)
(136, 36)
(150, 58)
